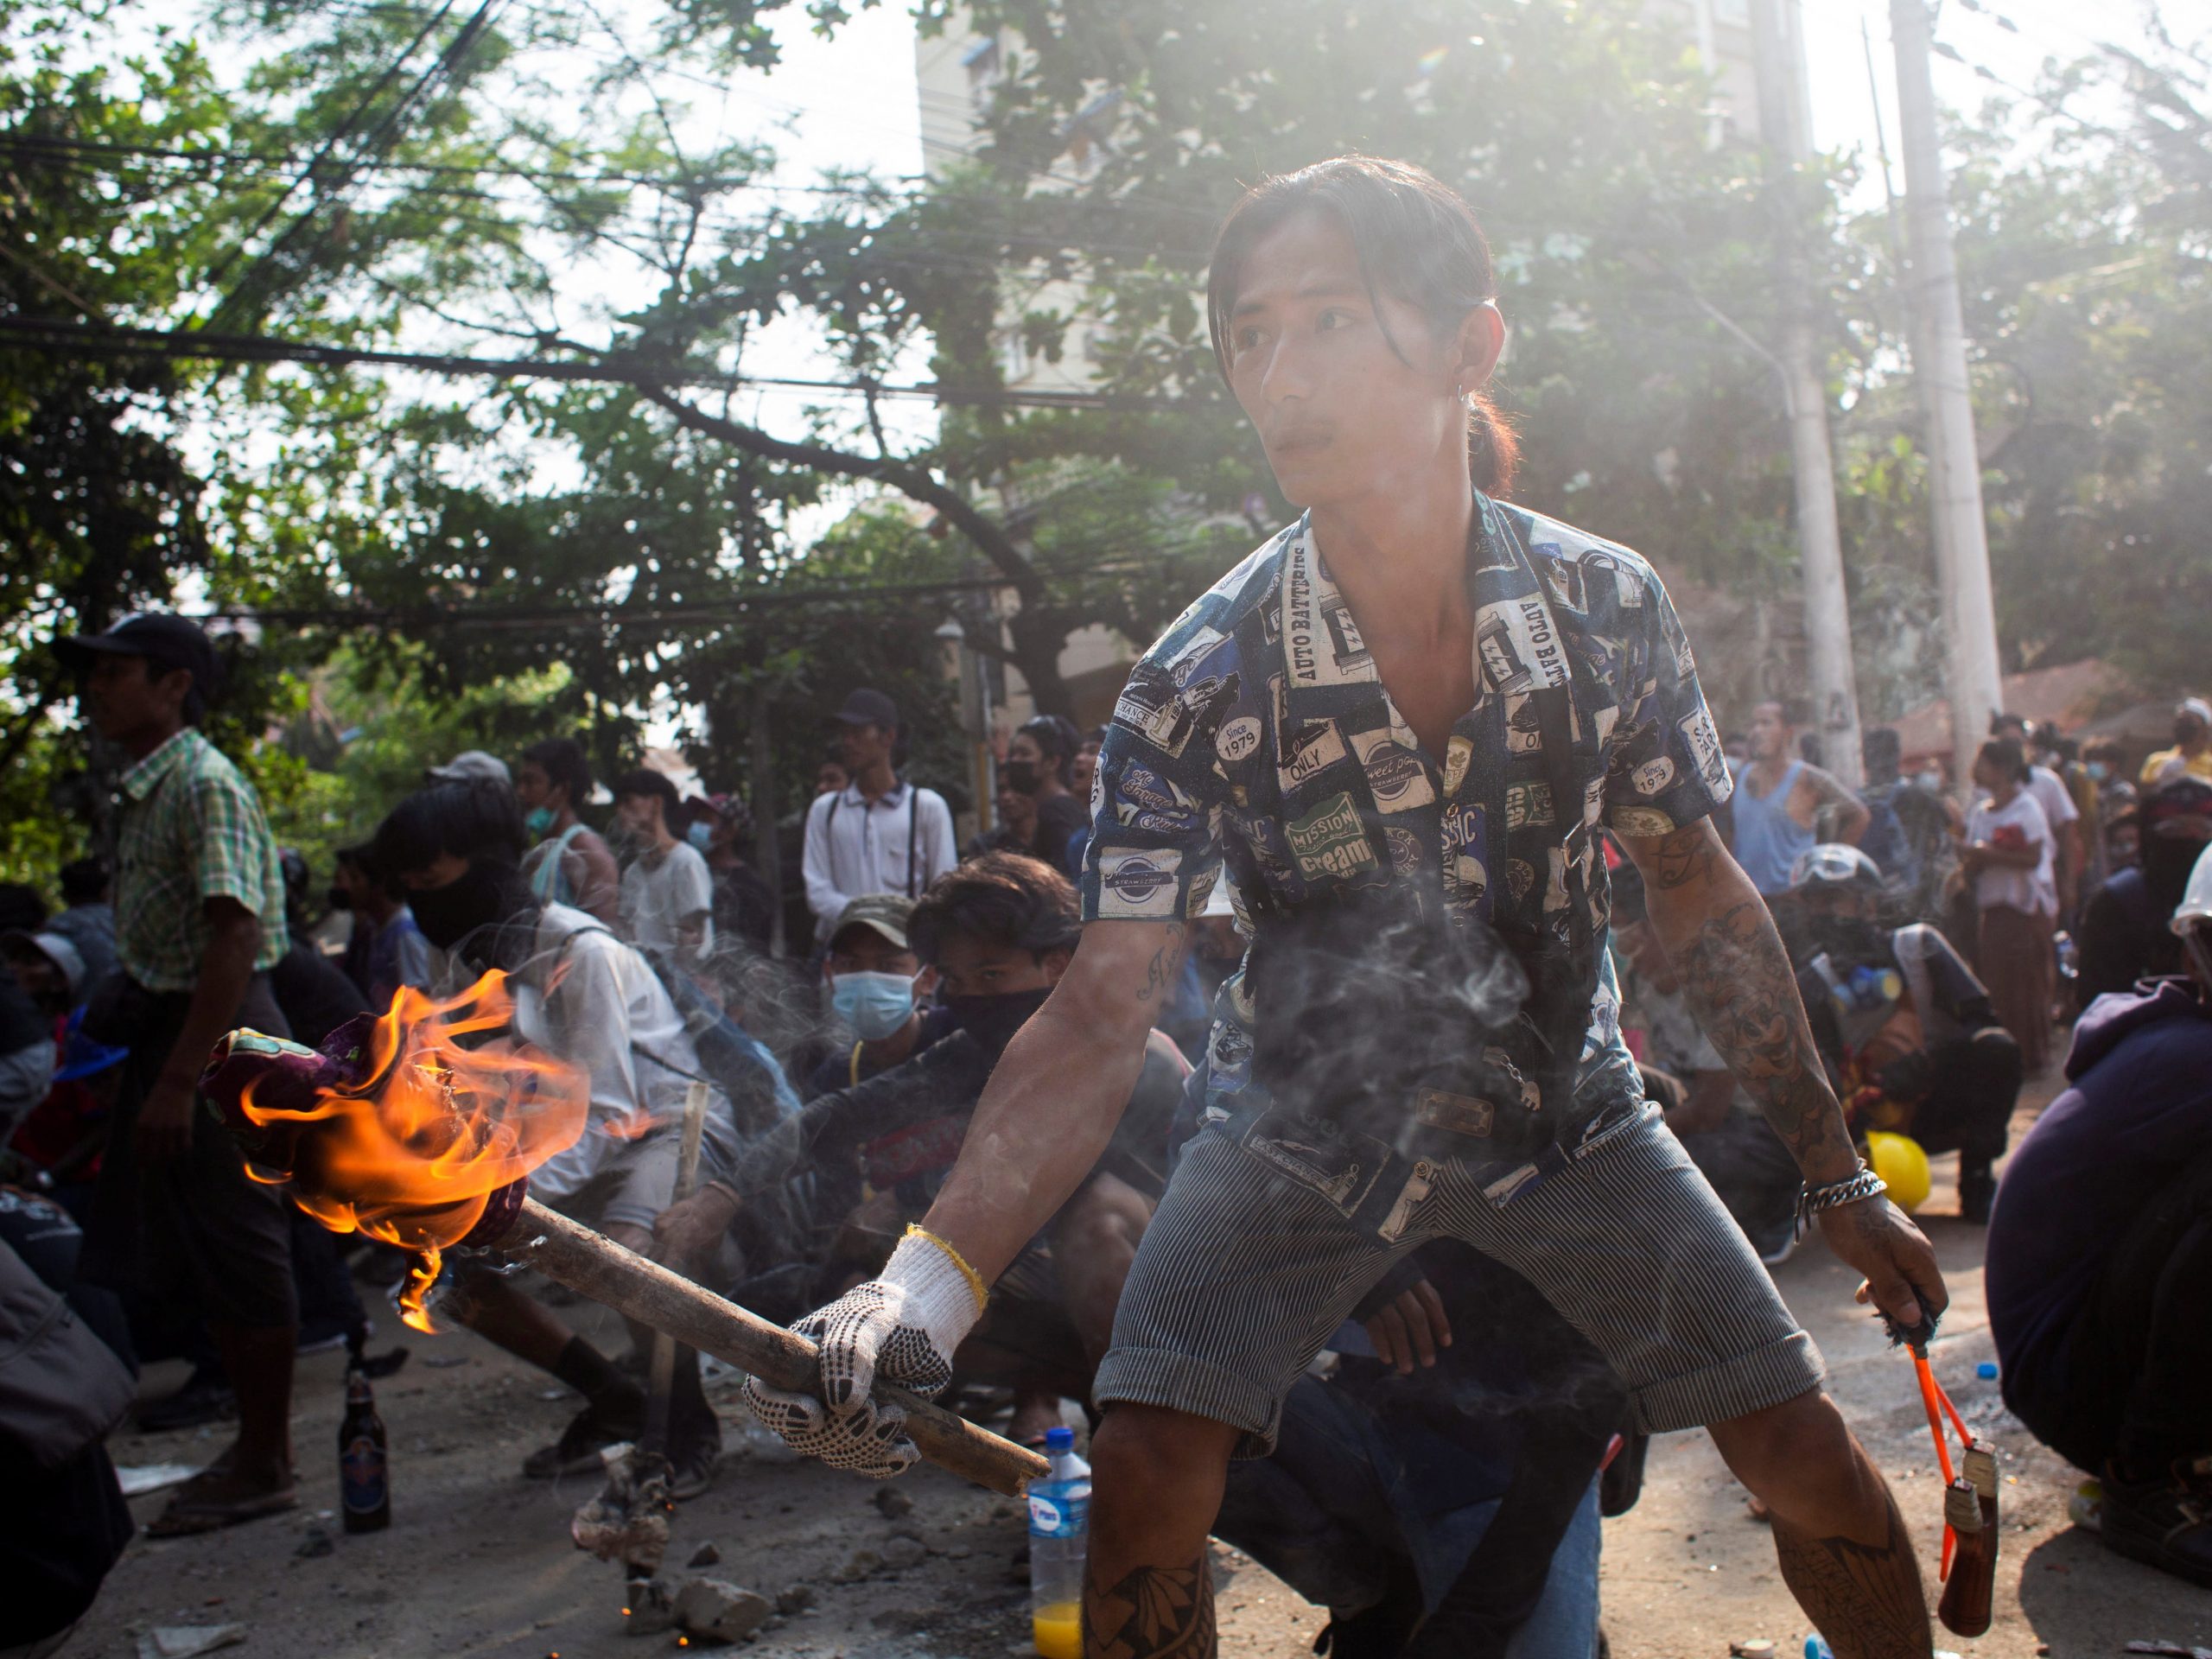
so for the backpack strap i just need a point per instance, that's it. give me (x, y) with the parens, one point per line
(913, 825)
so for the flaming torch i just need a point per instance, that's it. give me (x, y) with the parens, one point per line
(396, 1128)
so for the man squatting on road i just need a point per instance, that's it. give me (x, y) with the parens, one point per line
(1404, 753)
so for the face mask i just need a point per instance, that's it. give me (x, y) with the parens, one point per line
(539, 822)
(1853, 941)
(1021, 775)
(1928, 779)
(875, 1005)
(2098, 770)
(489, 910)
(339, 899)
(701, 835)
(991, 1021)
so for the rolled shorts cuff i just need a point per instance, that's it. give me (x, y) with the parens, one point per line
(1769, 1375)
(1157, 1377)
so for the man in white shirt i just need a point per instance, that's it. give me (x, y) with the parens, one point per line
(879, 834)
(667, 893)
(584, 997)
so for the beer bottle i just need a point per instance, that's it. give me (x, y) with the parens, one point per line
(364, 1473)
(1964, 1607)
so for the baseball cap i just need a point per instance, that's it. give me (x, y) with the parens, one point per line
(882, 913)
(868, 707)
(168, 642)
(471, 766)
(56, 949)
(2185, 798)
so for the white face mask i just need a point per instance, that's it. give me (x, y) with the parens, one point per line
(1928, 779)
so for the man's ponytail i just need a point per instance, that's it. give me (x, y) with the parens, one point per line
(1493, 448)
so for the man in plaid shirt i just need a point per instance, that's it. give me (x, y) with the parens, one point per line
(199, 920)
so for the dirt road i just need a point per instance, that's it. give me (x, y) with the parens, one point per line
(478, 1561)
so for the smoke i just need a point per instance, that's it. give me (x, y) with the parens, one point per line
(779, 1003)
(1363, 1000)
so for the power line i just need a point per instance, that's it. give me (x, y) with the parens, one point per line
(338, 136)
(799, 594)
(63, 149)
(57, 338)
(449, 58)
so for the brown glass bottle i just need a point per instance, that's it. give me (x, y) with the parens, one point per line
(1968, 1591)
(364, 1470)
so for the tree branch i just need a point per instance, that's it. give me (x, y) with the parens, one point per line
(990, 538)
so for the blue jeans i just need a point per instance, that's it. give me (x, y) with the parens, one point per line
(1565, 1624)
(1357, 1506)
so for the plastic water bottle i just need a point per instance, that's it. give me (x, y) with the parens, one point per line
(1060, 1527)
(1816, 1647)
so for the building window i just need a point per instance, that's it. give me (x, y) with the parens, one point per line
(1015, 361)
(984, 67)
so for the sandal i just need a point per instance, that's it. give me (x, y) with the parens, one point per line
(693, 1456)
(213, 1499)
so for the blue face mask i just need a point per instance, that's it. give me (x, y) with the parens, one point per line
(540, 821)
(875, 1005)
(2098, 770)
(700, 835)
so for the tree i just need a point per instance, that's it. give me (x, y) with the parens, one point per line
(2088, 301)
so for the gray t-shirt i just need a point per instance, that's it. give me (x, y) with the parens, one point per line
(661, 892)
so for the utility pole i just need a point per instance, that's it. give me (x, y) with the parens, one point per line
(1970, 670)
(1786, 137)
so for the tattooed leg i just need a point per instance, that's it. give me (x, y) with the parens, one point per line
(1155, 1612)
(1156, 1480)
(1844, 1550)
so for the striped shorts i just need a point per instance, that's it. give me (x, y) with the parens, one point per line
(1254, 1259)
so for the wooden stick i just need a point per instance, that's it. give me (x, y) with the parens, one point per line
(662, 1377)
(595, 1266)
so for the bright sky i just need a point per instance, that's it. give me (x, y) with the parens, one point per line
(851, 99)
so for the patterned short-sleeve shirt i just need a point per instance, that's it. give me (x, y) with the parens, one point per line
(1257, 727)
(193, 831)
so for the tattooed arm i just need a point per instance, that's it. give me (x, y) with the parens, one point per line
(1052, 1104)
(1737, 978)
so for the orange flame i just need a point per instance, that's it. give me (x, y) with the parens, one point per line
(411, 1156)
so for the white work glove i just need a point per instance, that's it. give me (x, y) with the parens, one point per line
(902, 1328)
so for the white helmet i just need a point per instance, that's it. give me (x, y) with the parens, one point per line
(2196, 906)
(1833, 864)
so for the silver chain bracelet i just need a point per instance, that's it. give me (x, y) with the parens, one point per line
(1852, 1189)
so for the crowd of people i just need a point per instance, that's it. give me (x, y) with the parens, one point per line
(846, 1075)
(1069, 1065)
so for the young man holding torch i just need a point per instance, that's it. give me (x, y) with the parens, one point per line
(1401, 722)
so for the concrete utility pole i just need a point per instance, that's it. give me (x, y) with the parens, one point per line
(1785, 131)
(1970, 670)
